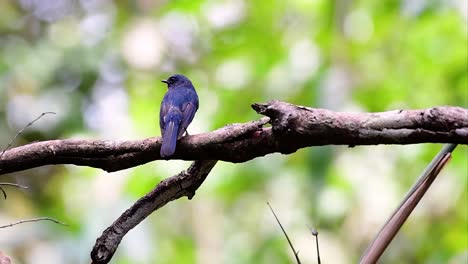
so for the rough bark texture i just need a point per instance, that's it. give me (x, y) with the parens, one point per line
(183, 184)
(293, 127)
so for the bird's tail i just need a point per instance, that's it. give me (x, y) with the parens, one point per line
(171, 130)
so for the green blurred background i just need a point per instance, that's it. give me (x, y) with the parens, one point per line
(98, 65)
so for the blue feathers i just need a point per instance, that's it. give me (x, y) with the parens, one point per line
(171, 132)
(178, 108)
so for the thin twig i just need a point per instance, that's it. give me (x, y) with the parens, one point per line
(296, 253)
(315, 234)
(21, 131)
(9, 145)
(33, 220)
(10, 184)
(13, 184)
(398, 218)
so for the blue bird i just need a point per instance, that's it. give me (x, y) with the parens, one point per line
(178, 108)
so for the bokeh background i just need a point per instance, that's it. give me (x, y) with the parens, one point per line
(98, 65)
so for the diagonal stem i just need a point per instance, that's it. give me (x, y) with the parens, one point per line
(296, 253)
(182, 184)
(398, 218)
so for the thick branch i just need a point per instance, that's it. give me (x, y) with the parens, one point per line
(183, 184)
(293, 127)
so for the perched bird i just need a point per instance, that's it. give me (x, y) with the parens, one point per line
(178, 108)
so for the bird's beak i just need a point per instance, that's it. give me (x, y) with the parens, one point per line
(164, 81)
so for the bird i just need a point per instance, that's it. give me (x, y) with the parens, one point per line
(178, 107)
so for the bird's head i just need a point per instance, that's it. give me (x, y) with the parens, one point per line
(176, 80)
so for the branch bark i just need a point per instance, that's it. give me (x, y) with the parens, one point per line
(175, 187)
(293, 127)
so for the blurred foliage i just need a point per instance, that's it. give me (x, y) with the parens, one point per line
(99, 63)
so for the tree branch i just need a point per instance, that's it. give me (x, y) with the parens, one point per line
(293, 127)
(175, 187)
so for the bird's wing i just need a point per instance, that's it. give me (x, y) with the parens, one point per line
(188, 112)
(162, 113)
